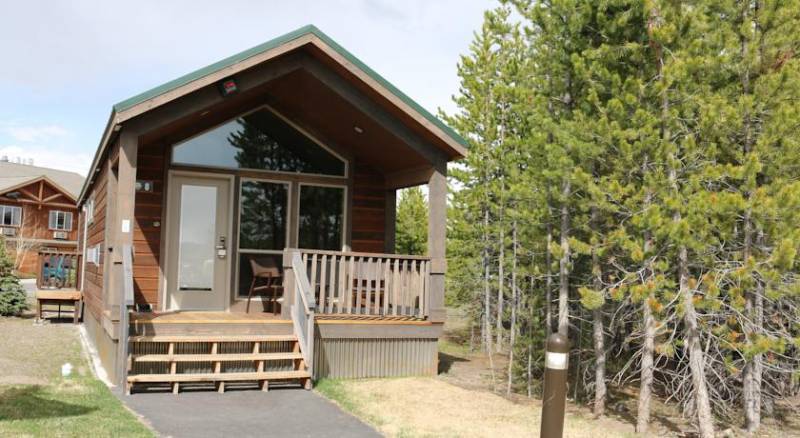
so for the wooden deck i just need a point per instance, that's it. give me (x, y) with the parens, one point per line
(192, 317)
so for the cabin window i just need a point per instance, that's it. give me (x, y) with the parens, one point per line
(263, 218)
(321, 217)
(10, 215)
(260, 140)
(60, 220)
(88, 210)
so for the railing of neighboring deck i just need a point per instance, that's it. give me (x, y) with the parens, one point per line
(358, 283)
(126, 305)
(58, 270)
(302, 310)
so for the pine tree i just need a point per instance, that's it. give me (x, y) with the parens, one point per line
(13, 300)
(412, 222)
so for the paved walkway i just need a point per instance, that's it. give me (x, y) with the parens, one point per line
(277, 413)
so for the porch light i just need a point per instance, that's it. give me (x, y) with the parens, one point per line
(228, 87)
(358, 129)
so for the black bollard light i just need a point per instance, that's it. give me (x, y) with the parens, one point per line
(555, 386)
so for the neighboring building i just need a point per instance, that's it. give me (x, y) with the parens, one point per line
(282, 160)
(38, 212)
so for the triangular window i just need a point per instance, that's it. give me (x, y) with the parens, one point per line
(259, 140)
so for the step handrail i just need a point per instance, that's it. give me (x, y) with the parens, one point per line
(125, 306)
(303, 315)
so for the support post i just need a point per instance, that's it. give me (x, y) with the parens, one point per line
(288, 284)
(437, 230)
(555, 386)
(121, 231)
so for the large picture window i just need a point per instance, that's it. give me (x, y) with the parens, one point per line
(263, 215)
(321, 217)
(10, 215)
(260, 140)
(263, 218)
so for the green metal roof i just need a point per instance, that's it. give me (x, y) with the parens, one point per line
(271, 44)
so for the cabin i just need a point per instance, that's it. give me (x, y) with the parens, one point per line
(38, 220)
(242, 225)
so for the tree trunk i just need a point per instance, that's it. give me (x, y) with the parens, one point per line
(487, 304)
(597, 332)
(514, 298)
(500, 284)
(563, 273)
(705, 421)
(646, 370)
(548, 283)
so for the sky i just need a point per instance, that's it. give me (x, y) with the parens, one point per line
(65, 63)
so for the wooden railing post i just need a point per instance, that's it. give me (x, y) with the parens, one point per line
(288, 284)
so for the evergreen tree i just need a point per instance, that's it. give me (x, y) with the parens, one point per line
(412, 222)
(13, 300)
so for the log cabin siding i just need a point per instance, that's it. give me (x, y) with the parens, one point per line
(95, 237)
(369, 208)
(149, 219)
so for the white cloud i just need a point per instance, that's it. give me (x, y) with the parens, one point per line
(49, 156)
(31, 133)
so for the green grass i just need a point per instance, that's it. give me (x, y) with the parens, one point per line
(36, 401)
(336, 390)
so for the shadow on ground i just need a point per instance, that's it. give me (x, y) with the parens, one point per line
(446, 361)
(29, 402)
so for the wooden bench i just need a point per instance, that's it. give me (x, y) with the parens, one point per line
(60, 298)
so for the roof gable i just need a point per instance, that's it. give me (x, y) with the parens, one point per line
(228, 64)
(14, 175)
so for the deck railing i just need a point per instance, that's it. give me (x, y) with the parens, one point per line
(303, 306)
(358, 283)
(125, 307)
(58, 270)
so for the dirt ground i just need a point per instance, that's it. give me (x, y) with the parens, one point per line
(468, 399)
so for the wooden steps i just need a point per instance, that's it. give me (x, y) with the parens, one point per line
(177, 359)
(214, 377)
(204, 338)
(216, 357)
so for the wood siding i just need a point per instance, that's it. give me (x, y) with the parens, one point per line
(368, 218)
(37, 200)
(95, 237)
(149, 219)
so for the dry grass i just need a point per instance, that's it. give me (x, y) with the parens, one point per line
(36, 401)
(421, 407)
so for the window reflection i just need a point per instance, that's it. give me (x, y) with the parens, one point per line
(263, 215)
(321, 217)
(259, 140)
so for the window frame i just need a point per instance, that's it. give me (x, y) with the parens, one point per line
(238, 218)
(345, 218)
(56, 228)
(88, 211)
(3, 207)
(285, 119)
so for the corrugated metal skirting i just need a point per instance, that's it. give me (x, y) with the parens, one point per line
(360, 358)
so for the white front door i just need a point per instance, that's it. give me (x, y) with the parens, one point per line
(198, 268)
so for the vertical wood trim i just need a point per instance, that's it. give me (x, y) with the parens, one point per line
(350, 279)
(396, 287)
(387, 269)
(437, 230)
(342, 284)
(359, 281)
(323, 281)
(390, 225)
